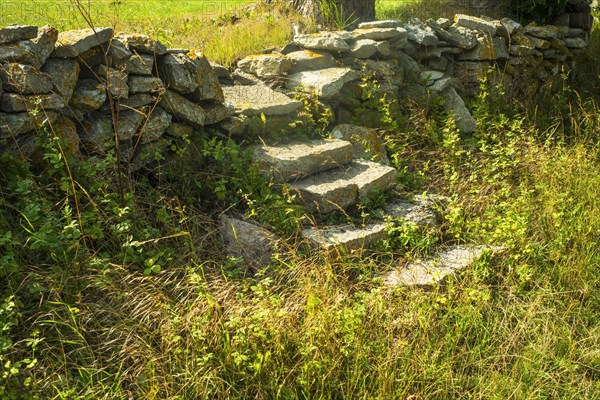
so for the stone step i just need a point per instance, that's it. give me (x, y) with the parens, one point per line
(434, 270)
(339, 189)
(348, 237)
(287, 163)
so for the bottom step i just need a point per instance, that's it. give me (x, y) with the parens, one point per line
(435, 270)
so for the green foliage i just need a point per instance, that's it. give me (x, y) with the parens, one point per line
(541, 11)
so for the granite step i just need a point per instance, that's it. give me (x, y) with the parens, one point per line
(419, 211)
(341, 188)
(288, 163)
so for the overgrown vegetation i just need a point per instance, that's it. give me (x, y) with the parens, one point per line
(114, 287)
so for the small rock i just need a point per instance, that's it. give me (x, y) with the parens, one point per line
(519, 50)
(140, 64)
(142, 44)
(89, 94)
(305, 60)
(234, 125)
(25, 79)
(389, 23)
(459, 36)
(45, 42)
(421, 33)
(115, 80)
(456, 105)
(487, 49)
(266, 65)
(366, 142)
(16, 102)
(376, 33)
(118, 54)
(179, 130)
(209, 87)
(364, 48)
(475, 23)
(130, 122)
(575, 43)
(12, 125)
(326, 82)
(511, 26)
(64, 75)
(322, 41)
(216, 112)
(187, 111)
(24, 52)
(259, 99)
(156, 125)
(253, 244)
(144, 84)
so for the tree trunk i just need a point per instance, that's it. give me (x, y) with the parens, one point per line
(340, 14)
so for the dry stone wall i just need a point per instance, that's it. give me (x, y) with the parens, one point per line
(95, 87)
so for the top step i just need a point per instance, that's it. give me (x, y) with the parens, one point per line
(290, 162)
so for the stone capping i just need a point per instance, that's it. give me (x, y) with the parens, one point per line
(82, 75)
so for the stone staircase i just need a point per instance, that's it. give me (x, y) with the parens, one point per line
(328, 175)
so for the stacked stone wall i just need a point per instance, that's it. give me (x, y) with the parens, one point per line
(97, 88)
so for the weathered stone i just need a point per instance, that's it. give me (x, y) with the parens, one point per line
(179, 130)
(389, 23)
(73, 43)
(216, 112)
(144, 84)
(142, 44)
(16, 102)
(322, 41)
(177, 71)
(518, 50)
(435, 270)
(326, 82)
(575, 43)
(546, 32)
(253, 245)
(222, 72)
(540, 43)
(25, 79)
(346, 237)
(438, 63)
(304, 60)
(209, 87)
(155, 125)
(521, 39)
(511, 26)
(421, 33)
(376, 33)
(97, 134)
(333, 190)
(454, 104)
(118, 54)
(234, 125)
(45, 42)
(140, 64)
(419, 211)
(366, 142)
(444, 23)
(116, 81)
(266, 65)
(459, 36)
(286, 163)
(24, 52)
(89, 94)
(12, 125)
(14, 33)
(429, 77)
(411, 68)
(66, 130)
(259, 99)
(183, 109)
(130, 122)
(487, 49)
(363, 48)
(475, 23)
(383, 49)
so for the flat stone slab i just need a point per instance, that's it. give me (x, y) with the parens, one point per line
(330, 41)
(15, 102)
(388, 23)
(434, 270)
(326, 82)
(376, 33)
(346, 237)
(73, 43)
(266, 65)
(476, 23)
(304, 60)
(259, 99)
(250, 243)
(183, 109)
(339, 189)
(14, 33)
(290, 162)
(418, 211)
(25, 79)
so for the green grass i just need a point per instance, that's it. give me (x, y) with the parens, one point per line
(121, 291)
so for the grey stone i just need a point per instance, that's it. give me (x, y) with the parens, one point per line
(222, 72)
(333, 190)
(540, 43)
(44, 42)
(16, 102)
(155, 125)
(24, 52)
(13, 125)
(433, 271)
(444, 23)
(546, 32)
(305, 60)
(118, 54)
(459, 36)
(519, 50)
(511, 26)
(177, 71)
(326, 82)
(14, 33)
(259, 99)
(24, 79)
(142, 44)
(286, 163)
(366, 142)
(217, 112)
(475, 23)
(575, 43)
(89, 94)
(266, 65)
(383, 48)
(454, 104)
(388, 23)
(140, 64)
(345, 237)
(363, 48)
(209, 87)
(97, 134)
(419, 211)
(183, 109)
(487, 49)
(129, 123)
(322, 41)
(73, 43)
(144, 84)
(115, 80)
(179, 130)
(255, 246)
(411, 68)
(421, 33)
(376, 33)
